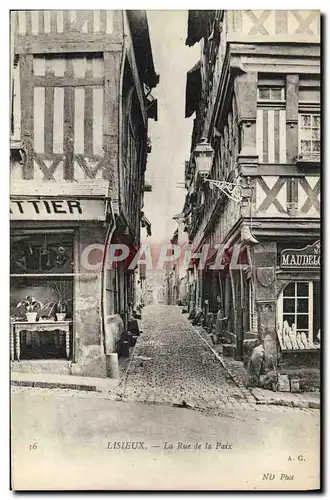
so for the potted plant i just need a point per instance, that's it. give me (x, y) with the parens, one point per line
(60, 310)
(31, 306)
(58, 307)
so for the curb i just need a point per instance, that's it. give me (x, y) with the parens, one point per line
(54, 381)
(292, 404)
(55, 385)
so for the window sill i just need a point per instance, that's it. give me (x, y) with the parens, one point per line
(295, 351)
(308, 160)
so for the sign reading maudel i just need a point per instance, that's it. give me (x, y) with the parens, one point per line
(308, 257)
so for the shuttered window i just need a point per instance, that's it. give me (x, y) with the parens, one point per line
(271, 124)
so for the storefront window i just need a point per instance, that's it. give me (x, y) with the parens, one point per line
(299, 311)
(41, 267)
(41, 253)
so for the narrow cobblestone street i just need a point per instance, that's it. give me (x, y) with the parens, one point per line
(172, 363)
(172, 372)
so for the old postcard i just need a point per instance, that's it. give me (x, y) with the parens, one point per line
(165, 324)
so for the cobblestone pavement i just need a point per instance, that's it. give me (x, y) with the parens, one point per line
(173, 364)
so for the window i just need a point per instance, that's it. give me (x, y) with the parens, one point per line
(309, 134)
(271, 94)
(271, 122)
(40, 253)
(41, 267)
(299, 315)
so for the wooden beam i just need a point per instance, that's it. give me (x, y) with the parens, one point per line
(26, 72)
(88, 114)
(112, 63)
(64, 81)
(68, 124)
(267, 43)
(67, 42)
(49, 111)
(277, 169)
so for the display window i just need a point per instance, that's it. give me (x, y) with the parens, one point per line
(41, 292)
(299, 315)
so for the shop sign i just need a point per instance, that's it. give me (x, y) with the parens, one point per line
(57, 209)
(308, 257)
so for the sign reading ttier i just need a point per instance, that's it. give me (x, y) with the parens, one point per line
(57, 209)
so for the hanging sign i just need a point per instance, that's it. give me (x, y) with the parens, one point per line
(57, 209)
(308, 257)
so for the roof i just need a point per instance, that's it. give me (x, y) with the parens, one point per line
(139, 27)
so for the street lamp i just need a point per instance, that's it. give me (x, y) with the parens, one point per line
(203, 155)
(238, 193)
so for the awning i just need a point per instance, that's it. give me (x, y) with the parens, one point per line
(193, 89)
(146, 223)
(147, 187)
(226, 260)
(142, 47)
(152, 108)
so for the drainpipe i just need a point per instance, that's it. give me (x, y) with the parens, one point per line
(110, 231)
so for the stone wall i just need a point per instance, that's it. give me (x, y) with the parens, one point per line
(89, 350)
(264, 261)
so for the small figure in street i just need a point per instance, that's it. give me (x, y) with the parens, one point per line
(221, 319)
(256, 365)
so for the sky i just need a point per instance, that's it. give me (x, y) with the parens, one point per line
(171, 134)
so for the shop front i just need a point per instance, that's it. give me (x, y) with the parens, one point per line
(56, 283)
(299, 307)
(287, 301)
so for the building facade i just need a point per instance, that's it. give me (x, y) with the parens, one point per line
(81, 100)
(256, 97)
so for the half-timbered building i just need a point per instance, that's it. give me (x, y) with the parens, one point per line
(256, 95)
(80, 104)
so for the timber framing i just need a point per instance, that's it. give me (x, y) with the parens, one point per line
(59, 81)
(310, 50)
(279, 170)
(57, 43)
(26, 89)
